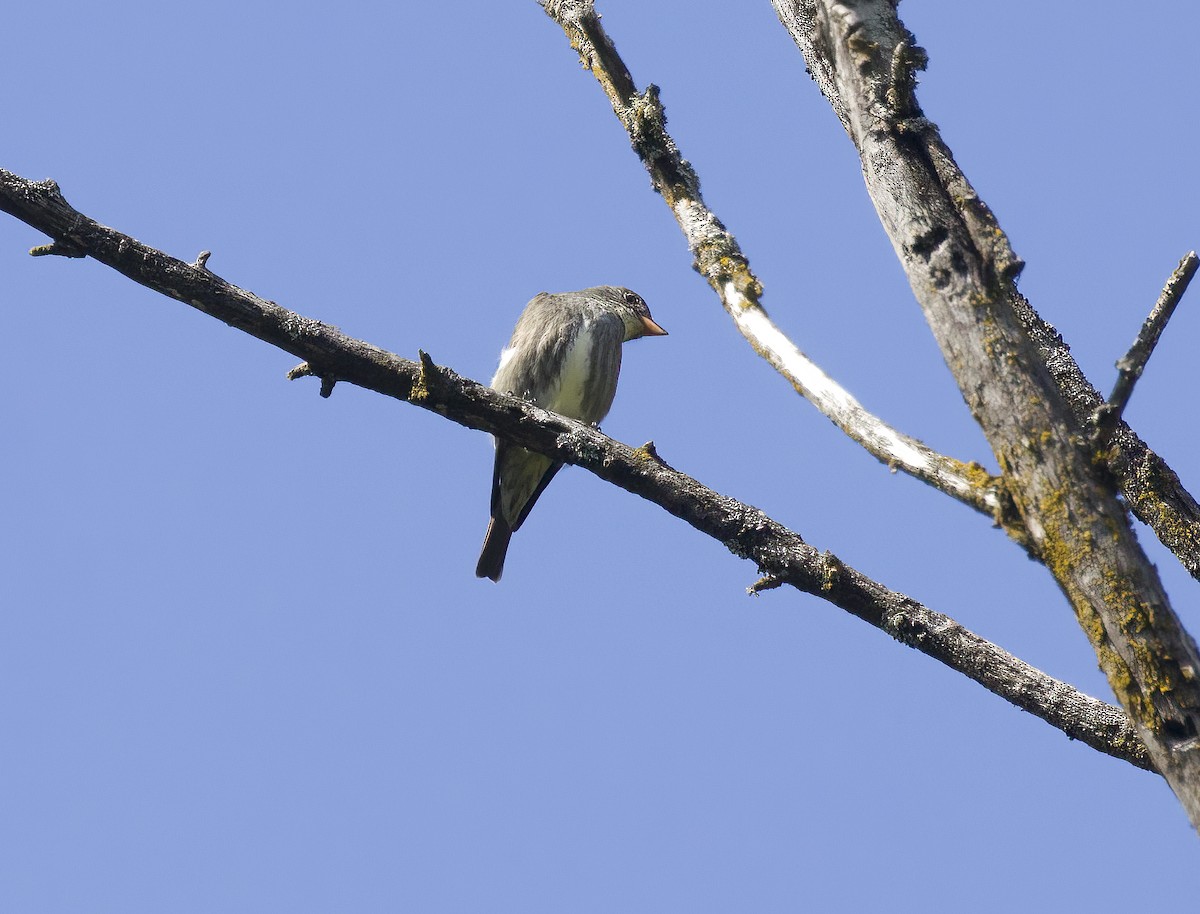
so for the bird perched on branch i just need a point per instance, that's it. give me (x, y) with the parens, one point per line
(565, 356)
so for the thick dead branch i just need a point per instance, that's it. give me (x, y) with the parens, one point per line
(1151, 489)
(719, 259)
(962, 271)
(746, 531)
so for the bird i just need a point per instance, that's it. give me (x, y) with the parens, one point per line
(564, 356)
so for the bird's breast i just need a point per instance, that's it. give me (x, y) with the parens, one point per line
(574, 391)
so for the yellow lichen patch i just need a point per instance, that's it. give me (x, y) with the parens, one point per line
(421, 385)
(738, 272)
(419, 390)
(1067, 549)
(645, 452)
(1133, 614)
(1120, 677)
(992, 339)
(831, 571)
(975, 474)
(1058, 552)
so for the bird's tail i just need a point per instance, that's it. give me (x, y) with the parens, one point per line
(495, 548)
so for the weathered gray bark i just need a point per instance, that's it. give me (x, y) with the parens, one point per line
(962, 271)
(1015, 373)
(745, 531)
(1151, 488)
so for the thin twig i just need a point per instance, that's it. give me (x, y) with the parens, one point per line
(1133, 363)
(719, 259)
(747, 532)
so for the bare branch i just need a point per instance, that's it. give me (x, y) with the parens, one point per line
(747, 532)
(719, 259)
(962, 271)
(1133, 363)
(1151, 488)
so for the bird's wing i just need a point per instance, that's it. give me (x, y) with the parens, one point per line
(539, 345)
(537, 493)
(519, 477)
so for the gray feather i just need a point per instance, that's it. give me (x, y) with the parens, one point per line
(564, 355)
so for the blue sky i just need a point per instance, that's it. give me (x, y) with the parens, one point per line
(245, 662)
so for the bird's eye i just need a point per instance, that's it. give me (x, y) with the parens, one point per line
(632, 298)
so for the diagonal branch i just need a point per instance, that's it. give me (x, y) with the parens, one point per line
(719, 260)
(1151, 488)
(962, 271)
(1133, 363)
(746, 531)
(1152, 491)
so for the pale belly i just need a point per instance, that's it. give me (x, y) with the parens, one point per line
(570, 393)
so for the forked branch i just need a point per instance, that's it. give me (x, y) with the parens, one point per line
(719, 259)
(962, 272)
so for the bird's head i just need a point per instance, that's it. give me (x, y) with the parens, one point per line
(632, 310)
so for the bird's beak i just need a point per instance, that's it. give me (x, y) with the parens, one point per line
(650, 328)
